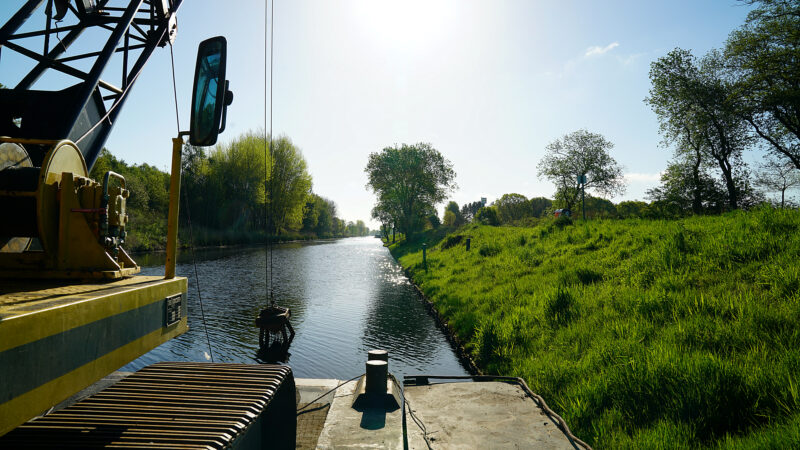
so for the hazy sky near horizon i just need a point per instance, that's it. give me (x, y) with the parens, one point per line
(488, 84)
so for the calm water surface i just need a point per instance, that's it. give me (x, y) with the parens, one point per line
(347, 296)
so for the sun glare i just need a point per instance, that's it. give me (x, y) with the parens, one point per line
(405, 26)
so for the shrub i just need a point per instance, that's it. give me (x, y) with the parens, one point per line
(562, 221)
(487, 216)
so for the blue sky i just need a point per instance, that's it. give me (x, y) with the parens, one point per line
(489, 84)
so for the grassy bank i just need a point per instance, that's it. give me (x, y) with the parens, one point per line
(640, 333)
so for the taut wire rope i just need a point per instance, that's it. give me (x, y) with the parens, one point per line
(189, 214)
(269, 39)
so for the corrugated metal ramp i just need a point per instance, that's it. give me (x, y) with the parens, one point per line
(175, 405)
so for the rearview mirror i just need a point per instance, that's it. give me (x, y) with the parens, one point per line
(210, 95)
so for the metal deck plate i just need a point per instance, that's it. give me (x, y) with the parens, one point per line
(175, 405)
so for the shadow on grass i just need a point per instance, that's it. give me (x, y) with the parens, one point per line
(413, 243)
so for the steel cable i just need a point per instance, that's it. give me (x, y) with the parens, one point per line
(189, 215)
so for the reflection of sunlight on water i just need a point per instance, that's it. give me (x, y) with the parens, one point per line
(347, 296)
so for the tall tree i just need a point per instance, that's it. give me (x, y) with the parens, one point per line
(694, 103)
(765, 56)
(457, 219)
(409, 181)
(581, 153)
(468, 210)
(288, 186)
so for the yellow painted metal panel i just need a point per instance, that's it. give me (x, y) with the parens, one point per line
(31, 315)
(22, 408)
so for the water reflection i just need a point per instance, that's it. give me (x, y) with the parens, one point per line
(275, 353)
(346, 297)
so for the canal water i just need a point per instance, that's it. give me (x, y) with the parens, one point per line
(347, 296)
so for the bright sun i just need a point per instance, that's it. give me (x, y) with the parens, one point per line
(405, 26)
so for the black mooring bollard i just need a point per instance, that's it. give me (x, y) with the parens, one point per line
(468, 242)
(377, 375)
(378, 355)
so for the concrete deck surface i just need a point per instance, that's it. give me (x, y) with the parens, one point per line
(350, 427)
(479, 415)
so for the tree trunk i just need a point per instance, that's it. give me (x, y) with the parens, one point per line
(727, 172)
(697, 194)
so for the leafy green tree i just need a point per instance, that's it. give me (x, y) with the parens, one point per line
(764, 54)
(468, 210)
(695, 105)
(449, 219)
(433, 220)
(581, 153)
(538, 206)
(597, 208)
(488, 216)
(235, 184)
(289, 186)
(687, 189)
(383, 213)
(511, 207)
(326, 217)
(457, 219)
(409, 181)
(631, 209)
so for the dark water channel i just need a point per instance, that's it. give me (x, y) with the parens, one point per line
(347, 296)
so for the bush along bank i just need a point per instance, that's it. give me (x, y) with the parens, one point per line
(640, 333)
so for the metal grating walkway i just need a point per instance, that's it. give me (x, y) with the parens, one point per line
(175, 405)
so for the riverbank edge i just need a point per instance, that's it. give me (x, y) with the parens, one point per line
(456, 343)
(234, 246)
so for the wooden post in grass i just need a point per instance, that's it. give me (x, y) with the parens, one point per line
(424, 256)
(468, 242)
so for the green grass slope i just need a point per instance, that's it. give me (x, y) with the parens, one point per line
(640, 333)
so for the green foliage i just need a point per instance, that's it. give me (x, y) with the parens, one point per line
(449, 218)
(457, 218)
(487, 216)
(562, 221)
(512, 207)
(227, 196)
(697, 109)
(581, 153)
(469, 210)
(762, 56)
(631, 209)
(409, 181)
(433, 220)
(640, 333)
(289, 186)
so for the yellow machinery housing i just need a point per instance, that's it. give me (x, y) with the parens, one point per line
(59, 223)
(70, 310)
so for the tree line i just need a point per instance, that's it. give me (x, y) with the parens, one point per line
(711, 110)
(714, 108)
(232, 193)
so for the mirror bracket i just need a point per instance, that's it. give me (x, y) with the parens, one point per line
(226, 102)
